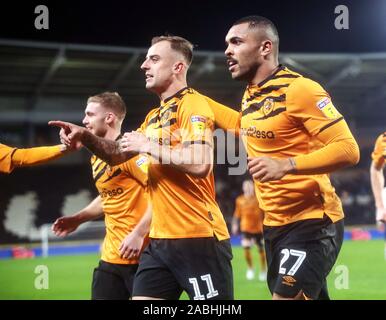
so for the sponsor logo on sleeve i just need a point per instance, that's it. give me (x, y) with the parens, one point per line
(143, 163)
(325, 105)
(199, 124)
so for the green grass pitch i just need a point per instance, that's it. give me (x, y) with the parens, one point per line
(70, 276)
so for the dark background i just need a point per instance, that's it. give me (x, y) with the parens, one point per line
(304, 26)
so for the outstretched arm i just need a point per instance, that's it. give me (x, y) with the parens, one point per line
(225, 117)
(104, 149)
(66, 225)
(11, 158)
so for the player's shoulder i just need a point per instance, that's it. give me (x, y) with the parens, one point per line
(288, 73)
(240, 198)
(381, 138)
(193, 96)
(302, 85)
(196, 103)
(151, 114)
(306, 92)
(4, 146)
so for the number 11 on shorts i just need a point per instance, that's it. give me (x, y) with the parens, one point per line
(209, 283)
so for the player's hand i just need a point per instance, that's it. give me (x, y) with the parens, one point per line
(381, 215)
(67, 143)
(70, 134)
(131, 246)
(64, 226)
(268, 169)
(134, 142)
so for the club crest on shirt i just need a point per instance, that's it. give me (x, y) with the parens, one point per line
(165, 117)
(199, 124)
(109, 170)
(325, 105)
(268, 106)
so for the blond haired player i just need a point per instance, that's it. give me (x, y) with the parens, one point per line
(189, 242)
(122, 201)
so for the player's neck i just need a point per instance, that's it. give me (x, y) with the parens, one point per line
(264, 71)
(173, 89)
(112, 134)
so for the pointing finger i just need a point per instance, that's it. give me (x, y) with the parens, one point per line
(60, 124)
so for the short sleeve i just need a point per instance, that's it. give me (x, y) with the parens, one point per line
(137, 167)
(196, 120)
(310, 105)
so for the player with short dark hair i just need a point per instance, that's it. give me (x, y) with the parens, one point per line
(294, 137)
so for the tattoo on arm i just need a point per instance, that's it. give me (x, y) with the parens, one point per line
(104, 149)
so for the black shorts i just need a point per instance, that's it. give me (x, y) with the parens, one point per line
(113, 281)
(200, 266)
(300, 255)
(248, 237)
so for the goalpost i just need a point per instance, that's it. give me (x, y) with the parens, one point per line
(88, 235)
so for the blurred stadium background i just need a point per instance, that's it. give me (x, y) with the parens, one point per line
(41, 81)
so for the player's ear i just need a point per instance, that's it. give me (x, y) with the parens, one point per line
(266, 47)
(110, 117)
(178, 67)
